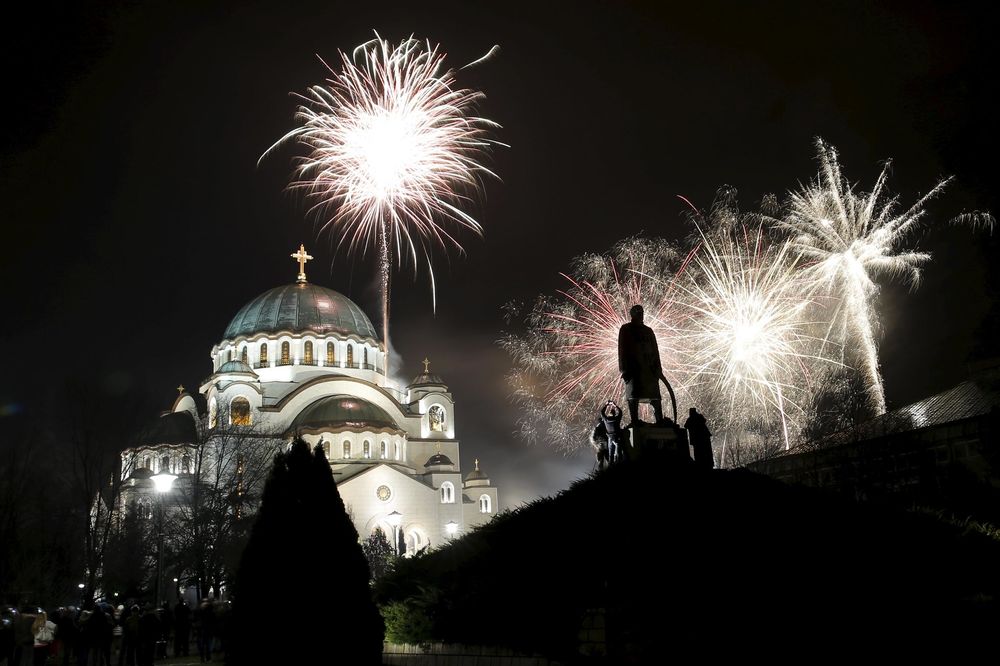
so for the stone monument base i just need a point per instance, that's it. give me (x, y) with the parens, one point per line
(660, 441)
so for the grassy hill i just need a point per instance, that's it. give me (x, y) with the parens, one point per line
(662, 554)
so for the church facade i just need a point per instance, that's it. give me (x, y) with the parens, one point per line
(302, 360)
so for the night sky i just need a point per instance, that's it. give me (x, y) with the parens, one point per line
(136, 221)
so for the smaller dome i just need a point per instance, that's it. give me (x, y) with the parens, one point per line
(343, 412)
(237, 367)
(438, 459)
(171, 428)
(427, 377)
(477, 475)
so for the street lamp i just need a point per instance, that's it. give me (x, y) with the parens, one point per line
(451, 528)
(162, 482)
(395, 519)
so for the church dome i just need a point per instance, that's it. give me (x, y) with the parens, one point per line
(477, 477)
(301, 307)
(438, 459)
(236, 366)
(172, 428)
(343, 412)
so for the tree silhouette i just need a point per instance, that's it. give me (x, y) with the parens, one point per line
(303, 574)
(378, 551)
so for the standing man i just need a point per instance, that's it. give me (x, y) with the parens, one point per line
(701, 439)
(639, 363)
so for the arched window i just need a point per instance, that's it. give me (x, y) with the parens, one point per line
(366, 357)
(213, 413)
(285, 354)
(331, 353)
(326, 448)
(186, 464)
(229, 354)
(165, 465)
(485, 504)
(399, 451)
(243, 356)
(263, 355)
(146, 462)
(367, 450)
(308, 353)
(350, 355)
(437, 417)
(347, 449)
(384, 450)
(144, 507)
(239, 411)
(447, 493)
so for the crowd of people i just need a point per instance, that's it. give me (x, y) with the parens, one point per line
(101, 634)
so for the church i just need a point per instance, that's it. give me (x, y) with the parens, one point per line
(302, 360)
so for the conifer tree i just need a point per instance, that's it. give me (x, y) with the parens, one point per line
(302, 593)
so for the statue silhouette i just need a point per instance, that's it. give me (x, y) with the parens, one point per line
(639, 363)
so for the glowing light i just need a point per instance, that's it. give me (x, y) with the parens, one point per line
(395, 153)
(848, 240)
(163, 482)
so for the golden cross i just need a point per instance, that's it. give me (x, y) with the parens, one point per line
(427, 366)
(180, 388)
(302, 258)
(477, 464)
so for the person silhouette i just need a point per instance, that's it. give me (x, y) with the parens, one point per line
(701, 439)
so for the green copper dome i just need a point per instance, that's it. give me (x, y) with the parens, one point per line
(301, 307)
(341, 412)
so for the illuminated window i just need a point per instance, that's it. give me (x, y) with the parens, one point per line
(144, 507)
(165, 465)
(384, 450)
(485, 504)
(398, 451)
(285, 353)
(308, 353)
(186, 464)
(243, 355)
(447, 493)
(350, 355)
(213, 413)
(436, 415)
(239, 411)
(347, 449)
(263, 353)
(326, 449)
(331, 354)
(367, 451)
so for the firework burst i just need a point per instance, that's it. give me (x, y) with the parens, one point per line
(749, 349)
(395, 151)
(848, 240)
(566, 365)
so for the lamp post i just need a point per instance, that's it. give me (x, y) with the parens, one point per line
(395, 519)
(83, 601)
(451, 528)
(163, 482)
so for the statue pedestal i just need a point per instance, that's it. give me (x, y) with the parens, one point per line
(660, 441)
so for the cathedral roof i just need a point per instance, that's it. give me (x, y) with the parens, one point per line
(236, 366)
(438, 459)
(172, 428)
(427, 377)
(298, 308)
(477, 474)
(343, 412)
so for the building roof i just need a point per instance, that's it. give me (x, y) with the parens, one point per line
(966, 400)
(298, 308)
(343, 412)
(172, 428)
(427, 378)
(438, 459)
(236, 366)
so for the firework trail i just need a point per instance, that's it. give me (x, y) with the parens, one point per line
(395, 151)
(566, 364)
(848, 240)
